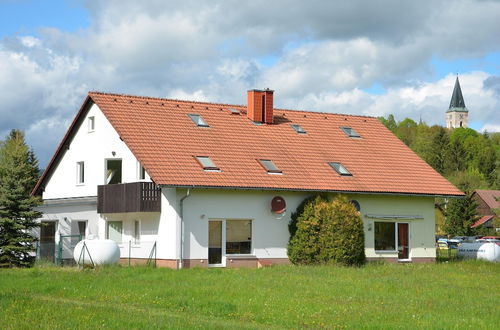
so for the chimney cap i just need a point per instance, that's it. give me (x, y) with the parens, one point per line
(261, 90)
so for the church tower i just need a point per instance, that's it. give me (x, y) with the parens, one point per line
(457, 115)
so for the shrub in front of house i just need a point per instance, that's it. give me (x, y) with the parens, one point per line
(325, 231)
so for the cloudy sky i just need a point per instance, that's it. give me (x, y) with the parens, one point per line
(355, 56)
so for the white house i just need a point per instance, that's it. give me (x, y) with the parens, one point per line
(194, 182)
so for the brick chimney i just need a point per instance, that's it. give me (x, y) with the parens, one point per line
(260, 105)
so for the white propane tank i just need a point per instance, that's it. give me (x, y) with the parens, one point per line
(101, 251)
(481, 250)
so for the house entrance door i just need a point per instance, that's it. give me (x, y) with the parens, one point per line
(403, 240)
(215, 247)
(47, 240)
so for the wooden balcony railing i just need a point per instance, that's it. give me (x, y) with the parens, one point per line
(129, 197)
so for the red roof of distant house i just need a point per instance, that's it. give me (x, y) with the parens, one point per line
(481, 221)
(490, 197)
(166, 141)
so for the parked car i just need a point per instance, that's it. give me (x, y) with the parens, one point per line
(489, 239)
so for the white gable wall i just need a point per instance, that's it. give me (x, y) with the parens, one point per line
(93, 148)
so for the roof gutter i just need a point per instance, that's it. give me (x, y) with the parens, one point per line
(181, 238)
(314, 190)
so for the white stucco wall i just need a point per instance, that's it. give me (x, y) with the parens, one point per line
(93, 148)
(270, 235)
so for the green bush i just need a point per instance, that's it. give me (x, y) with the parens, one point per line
(324, 231)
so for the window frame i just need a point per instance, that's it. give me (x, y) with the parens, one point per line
(339, 168)
(91, 124)
(269, 170)
(396, 237)
(349, 132)
(198, 120)
(136, 232)
(106, 170)
(80, 173)
(225, 228)
(141, 172)
(298, 129)
(213, 168)
(108, 222)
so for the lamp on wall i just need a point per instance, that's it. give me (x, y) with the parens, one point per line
(113, 153)
(370, 226)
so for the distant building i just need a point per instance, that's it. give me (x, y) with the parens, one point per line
(457, 115)
(487, 202)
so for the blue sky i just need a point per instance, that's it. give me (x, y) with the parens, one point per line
(25, 17)
(347, 56)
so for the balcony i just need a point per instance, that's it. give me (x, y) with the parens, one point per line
(129, 197)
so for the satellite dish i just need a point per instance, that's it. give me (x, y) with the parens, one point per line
(278, 205)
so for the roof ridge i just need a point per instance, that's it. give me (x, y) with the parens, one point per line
(224, 104)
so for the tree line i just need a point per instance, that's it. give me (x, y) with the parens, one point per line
(466, 158)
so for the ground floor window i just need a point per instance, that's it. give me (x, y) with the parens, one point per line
(228, 237)
(238, 236)
(385, 236)
(137, 232)
(114, 231)
(392, 236)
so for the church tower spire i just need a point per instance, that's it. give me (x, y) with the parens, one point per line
(457, 114)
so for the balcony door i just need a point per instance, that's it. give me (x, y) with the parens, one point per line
(113, 173)
(47, 240)
(215, 247)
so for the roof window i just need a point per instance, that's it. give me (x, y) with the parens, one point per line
(198, 120)
(207, 163)
(234, 111)
(269, 166)
(298, 129)
(350, 132)
(340, 169)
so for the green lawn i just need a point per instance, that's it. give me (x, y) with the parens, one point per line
(443, 295)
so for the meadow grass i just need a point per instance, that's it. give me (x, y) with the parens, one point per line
(444, 295)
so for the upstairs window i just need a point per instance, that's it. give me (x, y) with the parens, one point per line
(340, 169)
(113, 171)
(91, 124)
(298, 129)
(207, 163)
(350, 132)
(141, 172)
(269, 166)
(80, 172)
(198, 120)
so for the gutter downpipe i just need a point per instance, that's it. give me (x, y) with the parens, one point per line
(181, 238)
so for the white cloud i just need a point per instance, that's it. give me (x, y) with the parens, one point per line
(327, 54)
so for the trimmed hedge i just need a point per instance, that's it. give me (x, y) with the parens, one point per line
(324, 231)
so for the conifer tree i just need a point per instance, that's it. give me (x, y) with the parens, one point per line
(18, 166)
(460, 214)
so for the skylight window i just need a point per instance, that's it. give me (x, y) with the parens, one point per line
(298, 129)
(269, 166)
(198, 120)
(234, 111)
(340, 169)
(207, 163)
(350, 132)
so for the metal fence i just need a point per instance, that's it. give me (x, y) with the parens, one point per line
(61, 253)
(134, 253)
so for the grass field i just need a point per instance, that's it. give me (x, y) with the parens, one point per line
(443, 295)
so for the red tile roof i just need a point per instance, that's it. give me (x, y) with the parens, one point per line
(482, 220)
(490, 197)
(165, 140)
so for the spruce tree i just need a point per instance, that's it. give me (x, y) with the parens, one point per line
(17, 214)
(460, 214)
